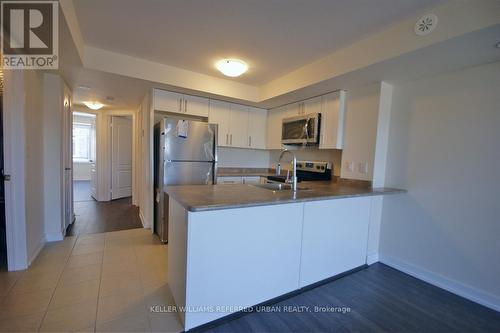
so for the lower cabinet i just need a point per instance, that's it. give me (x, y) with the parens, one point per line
(241, 180)
(334, 237)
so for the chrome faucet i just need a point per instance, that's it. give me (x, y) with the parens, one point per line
(294, 169)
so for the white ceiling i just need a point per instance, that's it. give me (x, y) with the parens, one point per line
(273, 36)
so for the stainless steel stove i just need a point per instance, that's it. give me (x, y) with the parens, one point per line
(308, 171)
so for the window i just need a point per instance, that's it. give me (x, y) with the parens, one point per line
(82, 136)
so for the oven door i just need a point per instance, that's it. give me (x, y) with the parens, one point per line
(301, 130)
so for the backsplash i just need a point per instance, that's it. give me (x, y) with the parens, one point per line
(242, 158)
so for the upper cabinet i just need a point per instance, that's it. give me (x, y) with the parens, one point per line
(257, 121)
(332, 120)
(332, 110)
(274, 121)
(180, 103)
(240, 126)
(219, 114)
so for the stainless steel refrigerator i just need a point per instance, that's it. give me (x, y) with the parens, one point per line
(185, 152)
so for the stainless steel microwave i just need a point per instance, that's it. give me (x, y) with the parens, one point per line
(301, 130)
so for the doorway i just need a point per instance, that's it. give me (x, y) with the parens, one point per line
(102, 173)
(84, 156)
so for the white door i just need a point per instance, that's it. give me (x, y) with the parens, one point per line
(67, 159)
(93, 162)
(121, 157)
(238, 126)
(219, 114)
(257, 119)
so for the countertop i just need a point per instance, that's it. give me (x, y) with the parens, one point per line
(197, 198)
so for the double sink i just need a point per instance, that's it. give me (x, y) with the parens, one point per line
(280, 187)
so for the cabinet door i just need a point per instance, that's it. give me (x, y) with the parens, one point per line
(293, 110)
(332, 121)
(334, 237)
(251, 180)
(219, 114)
(196, 106)
(257, 119)
(274, 118)
(167, 101)
(312, 105)
(238, 126)
(229, 180)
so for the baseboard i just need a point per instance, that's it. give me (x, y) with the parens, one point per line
(372, 258)
(443, 282)
(141, 217)
(54, 236)
(36, 253)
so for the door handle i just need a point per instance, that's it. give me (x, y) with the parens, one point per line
(67, 169)
(6, 178)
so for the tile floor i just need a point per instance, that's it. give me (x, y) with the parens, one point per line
(97, 282)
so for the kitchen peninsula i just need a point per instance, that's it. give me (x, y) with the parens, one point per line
(235, 246)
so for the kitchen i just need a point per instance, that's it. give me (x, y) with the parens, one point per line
(310, 167)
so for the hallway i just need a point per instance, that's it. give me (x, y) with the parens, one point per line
(92, 216)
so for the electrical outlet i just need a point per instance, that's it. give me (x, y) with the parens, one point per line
(363, 167)
(349, 166)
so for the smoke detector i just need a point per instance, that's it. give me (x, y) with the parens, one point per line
(426, 24)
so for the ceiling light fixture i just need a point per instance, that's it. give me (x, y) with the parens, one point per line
(231, 67)
(93, 105)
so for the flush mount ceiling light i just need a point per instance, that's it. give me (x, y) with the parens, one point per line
(93, 105)
(231, 67)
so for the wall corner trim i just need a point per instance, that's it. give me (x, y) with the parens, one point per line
(458, 288)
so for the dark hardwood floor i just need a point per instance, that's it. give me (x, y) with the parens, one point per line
(95, 217)
(380, 299)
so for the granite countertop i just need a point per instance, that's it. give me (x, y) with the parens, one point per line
(197, 198)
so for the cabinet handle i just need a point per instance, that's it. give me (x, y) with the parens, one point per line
(227, 139)
(250, 141)
(180, 104)
(231, 139)
(185, 105)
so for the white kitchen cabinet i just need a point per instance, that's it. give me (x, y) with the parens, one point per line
(334, 237)
(167, 101)
(257, 119)
(238, 126)
(196, 106)
(332, 120)
(180, 103)
(219, 114)
(230, 180)
(274, 123)
(251, 180)
(311, 105)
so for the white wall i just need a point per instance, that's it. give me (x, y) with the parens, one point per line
(34, 150)
(360, 130)
(444, 149)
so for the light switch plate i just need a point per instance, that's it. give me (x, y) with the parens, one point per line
(349, 166)
(363, 167)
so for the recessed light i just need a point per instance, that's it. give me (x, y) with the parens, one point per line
(84, 87)
(93, 105)
(231, 67)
